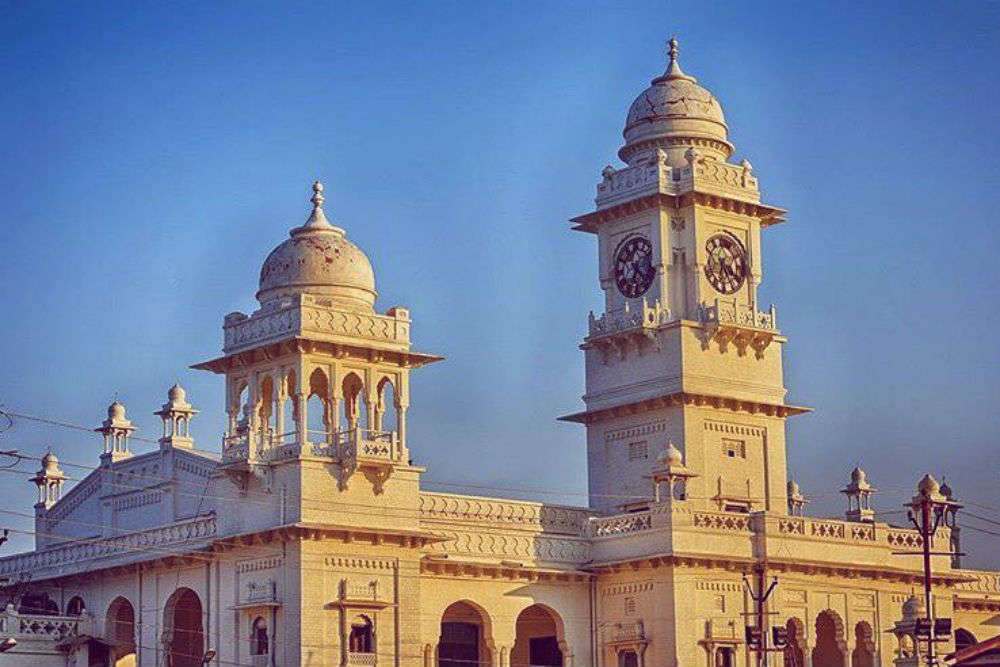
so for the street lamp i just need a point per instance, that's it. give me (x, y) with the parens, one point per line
(926, 511)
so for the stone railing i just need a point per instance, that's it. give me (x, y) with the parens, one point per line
(510, 513)
(722, 628)
(307, 314)
(620, 524)
(349, 591)
(361, 659)
(37, 626)
(726, 521)
(630, 318)
(164, 540)
(729, 312)
(260, 592)
(365, 444)
(625, 631)
(655, 176)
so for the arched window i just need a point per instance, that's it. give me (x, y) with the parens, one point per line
(75, 606)
(964, 639)
(362, 639)
(724, 657)
(258, 637)
(628, 659)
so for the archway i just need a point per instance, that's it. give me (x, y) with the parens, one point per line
(794, 655)
(864, 642)
(829, 651)
(353, 390)
(75, 606)
(466, 637)
(387, 414)
(120, 632)
(539, 638)
(317, 412)
(183, 634)
(362, 636)
(964, 639)
(259, 640)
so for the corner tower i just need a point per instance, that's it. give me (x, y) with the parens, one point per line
(317, 384)
(683, 351)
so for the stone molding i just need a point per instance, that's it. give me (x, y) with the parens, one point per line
(133, 546)
(511, 513)
(312, 317)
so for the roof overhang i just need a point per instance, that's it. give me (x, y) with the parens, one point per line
(590, 222)
(687, 398)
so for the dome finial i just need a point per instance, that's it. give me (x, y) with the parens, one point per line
(317, 198)
(317, 219)
(674, 68)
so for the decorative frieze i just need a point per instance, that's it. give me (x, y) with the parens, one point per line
(638, 431)
(549, 518)
(730, 428)
(345, 562)
(627, 589)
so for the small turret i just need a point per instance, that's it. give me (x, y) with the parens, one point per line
(116, 430)
(176, 414)
(49, 480)
(859, 497)
(670, 469)
(796, 501)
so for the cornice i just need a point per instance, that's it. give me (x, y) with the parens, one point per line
(689, 399)
(268, 351)
(590, 222)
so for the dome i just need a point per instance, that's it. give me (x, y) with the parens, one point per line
(116, 410)
(928, 486)
(176, 393)
(793, 488)
(318, 259)
(675, 114)
(913, 608)
(50, 460)
(859, 476)
(946, 490)
(671, 456)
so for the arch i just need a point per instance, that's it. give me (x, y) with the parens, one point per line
(354, 393)
(362, 636)
(863, 654)
(466, 636)
(120, 632)
(830, 644)
(387, 410)
(75, 606)
(317, 406)
(964, 639)
(794, 653)
(183, 629)
(628, 659)
(265, 409)
(259, 639)
(539, 639)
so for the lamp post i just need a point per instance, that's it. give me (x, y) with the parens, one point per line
(927, 510)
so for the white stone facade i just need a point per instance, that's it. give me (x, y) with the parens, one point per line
(306, 539)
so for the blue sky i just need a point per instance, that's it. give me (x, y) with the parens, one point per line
(153, 155)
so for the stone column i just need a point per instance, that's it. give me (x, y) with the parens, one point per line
(301, 421)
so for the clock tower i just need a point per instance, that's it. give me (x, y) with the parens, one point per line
(683, 353)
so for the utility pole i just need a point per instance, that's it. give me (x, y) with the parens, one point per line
(926, 511)
(756, 634)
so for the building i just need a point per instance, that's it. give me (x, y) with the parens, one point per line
(306, 539)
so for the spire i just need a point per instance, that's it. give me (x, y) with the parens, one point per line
(317, 219)
(673, 68)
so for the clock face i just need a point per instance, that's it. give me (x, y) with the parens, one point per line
(726, 268)
(634, 266)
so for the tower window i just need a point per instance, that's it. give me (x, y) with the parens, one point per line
(629, 606)
(637, 451)
(734, 448)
